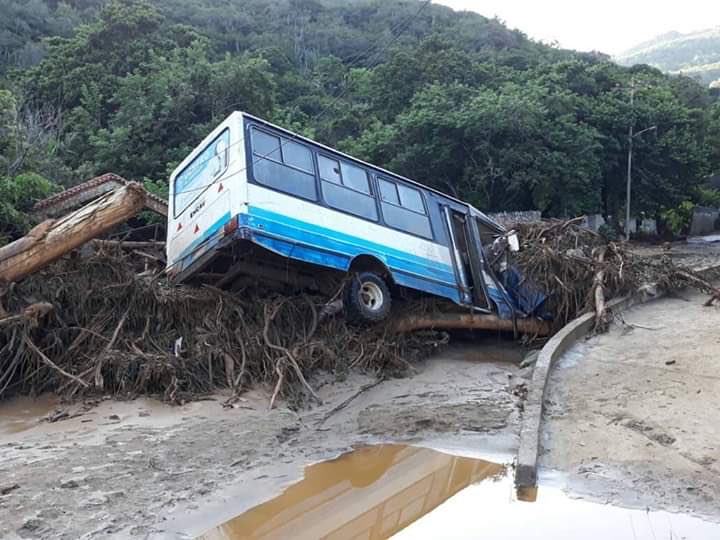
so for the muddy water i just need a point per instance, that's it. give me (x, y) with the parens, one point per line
(370, 493)
(415, 493)
(23, 413)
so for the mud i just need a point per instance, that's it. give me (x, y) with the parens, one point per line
(141, 469)
(631, 416)
(691, 254)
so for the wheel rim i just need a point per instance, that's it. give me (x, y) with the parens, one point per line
(371, 296)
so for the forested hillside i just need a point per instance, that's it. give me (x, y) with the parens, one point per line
(696, 54)
(454, 100)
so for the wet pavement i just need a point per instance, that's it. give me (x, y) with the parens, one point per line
(407, 492)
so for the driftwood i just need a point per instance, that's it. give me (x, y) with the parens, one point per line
(120, 329)
(52, 364)
(601, 314)
(53, 238)
(347, 401)
(703, 284)
(32, 314)
(129, 244)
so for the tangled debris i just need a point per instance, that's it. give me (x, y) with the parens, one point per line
(109, 323)
(579, 270)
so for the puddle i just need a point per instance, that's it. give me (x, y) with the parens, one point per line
(415, 493)
(23, 413)
(370, 493)
(492, 511)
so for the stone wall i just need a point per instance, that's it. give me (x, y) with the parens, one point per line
(703, 220)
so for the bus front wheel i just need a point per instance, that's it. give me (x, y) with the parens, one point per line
(366, 298)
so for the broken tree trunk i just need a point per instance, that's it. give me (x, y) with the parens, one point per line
(53, 238)
(468, 321)
(601, 313)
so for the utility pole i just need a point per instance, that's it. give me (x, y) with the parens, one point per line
(631, 138)
(629, 161)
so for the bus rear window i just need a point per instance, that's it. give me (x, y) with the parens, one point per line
(204, 170)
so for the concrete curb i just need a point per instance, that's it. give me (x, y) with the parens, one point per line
(529, 449)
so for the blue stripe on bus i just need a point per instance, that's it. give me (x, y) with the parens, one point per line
(292, 249)
(318, 245)
(309, 254)
(439, 289)
(346, 245)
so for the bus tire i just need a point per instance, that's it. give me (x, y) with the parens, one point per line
(366, 298)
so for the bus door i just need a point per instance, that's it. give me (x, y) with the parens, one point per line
(467, 257)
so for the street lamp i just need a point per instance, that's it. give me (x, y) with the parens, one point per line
(631, 137)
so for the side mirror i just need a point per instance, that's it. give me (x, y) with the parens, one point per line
(513, 241)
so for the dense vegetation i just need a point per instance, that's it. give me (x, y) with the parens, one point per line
(451, 99)
(696, 54)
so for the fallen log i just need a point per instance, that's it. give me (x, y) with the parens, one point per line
(53, 238)
(469, 321)
(702, 284)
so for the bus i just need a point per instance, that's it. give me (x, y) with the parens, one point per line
(259, 202)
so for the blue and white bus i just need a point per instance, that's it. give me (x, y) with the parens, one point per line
(254, 199)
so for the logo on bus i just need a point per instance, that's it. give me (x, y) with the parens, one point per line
(197, 208)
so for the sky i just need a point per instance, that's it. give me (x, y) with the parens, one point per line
(609, 26)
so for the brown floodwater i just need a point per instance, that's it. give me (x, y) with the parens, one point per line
(372, 493)
(413, 493)
(23, 413)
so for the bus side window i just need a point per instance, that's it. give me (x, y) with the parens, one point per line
(346, 187)
(355, 177)
(388, 192)
(403, 208)
(283, 165)
(329, 169)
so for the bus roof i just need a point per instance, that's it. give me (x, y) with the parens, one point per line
(481, 215)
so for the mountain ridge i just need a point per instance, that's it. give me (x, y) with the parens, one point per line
(696, 54)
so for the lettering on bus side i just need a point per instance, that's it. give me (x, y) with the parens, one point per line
(197, 208)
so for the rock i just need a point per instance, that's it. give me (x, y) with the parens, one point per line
(32, 528)
(4, 490)
(530, 358)
(69, 484)
(114, 417)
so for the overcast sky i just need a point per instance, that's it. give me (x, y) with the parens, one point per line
(610, 26)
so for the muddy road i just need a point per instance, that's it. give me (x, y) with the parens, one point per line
(630, 420)
(142, 469)
(632, 415)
